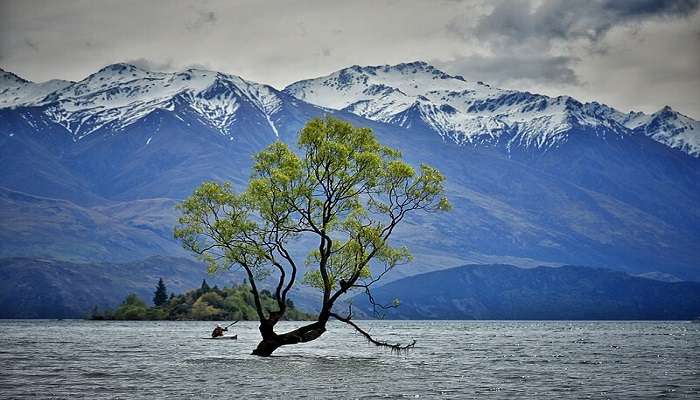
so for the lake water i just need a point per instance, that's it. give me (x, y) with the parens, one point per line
(461, 360)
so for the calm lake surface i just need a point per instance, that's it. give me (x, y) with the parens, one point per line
(461, 360)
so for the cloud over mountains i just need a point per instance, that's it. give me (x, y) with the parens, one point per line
(630, 54)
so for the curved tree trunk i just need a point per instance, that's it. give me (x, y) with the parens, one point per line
(272, 341)
(266, 347)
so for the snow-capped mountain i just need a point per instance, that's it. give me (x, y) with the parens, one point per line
(666, 126)
(670, 128)
(474, 112)
(120, 94)
(408, 95)
(15, 91)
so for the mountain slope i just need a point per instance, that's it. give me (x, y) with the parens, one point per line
(671, 128)
(465, 112)
(120, 94)
(45, 227)
(507, 292)
(45, 288)
(124, 133)
(624, 206)
(16, 91)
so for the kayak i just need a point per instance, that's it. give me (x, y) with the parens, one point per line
(234, 337)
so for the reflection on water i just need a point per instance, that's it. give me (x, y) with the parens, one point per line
(495, 360)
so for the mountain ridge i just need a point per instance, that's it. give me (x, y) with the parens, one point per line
(477, 113)
(402, 94)
(50, 288)
(505, 292)
(120, 94)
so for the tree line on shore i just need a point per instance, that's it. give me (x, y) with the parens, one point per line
(205, 303)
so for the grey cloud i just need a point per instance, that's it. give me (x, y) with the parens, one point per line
(151, 65)
(203, 19)
(207, 17)
(197, 66)
(302, 28)
(647, 8)
(635, 55)
(520, 20)
(503, 69)
(32, 44)
(542, 41)
(165, 66)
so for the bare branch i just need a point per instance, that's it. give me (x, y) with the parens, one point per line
(374, 303)
(396, 347)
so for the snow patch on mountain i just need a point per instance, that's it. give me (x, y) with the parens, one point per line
(477, 113)
(16, 91)
(670, 128)
(666, 126)
(120, 94)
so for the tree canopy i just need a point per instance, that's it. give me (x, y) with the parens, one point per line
(340, 186)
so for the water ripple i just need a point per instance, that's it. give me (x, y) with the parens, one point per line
(453, 360)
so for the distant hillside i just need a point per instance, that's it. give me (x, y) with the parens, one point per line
(51, 228)
(36, 288)
(45, 288)
(508, 292)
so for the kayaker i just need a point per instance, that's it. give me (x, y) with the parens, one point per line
(219, 331)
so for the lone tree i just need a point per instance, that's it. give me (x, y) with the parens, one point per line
(160, 296)
(344, 189)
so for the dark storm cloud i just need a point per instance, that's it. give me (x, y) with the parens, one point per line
(520, 20)
(525, 40)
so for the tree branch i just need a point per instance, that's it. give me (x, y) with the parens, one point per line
(374, 303)
(397, 347)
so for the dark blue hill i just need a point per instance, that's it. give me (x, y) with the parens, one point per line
(506, 292)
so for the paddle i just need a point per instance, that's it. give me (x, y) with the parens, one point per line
(231, 324)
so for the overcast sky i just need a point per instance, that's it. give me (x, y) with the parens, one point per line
(631, 54)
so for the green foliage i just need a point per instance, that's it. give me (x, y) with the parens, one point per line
(343, 186)
(235, 303)
(212, 298)
(133, 308)
(160, 296)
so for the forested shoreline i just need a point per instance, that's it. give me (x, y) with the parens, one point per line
(203, 304)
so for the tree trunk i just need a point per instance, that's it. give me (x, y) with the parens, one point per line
(272, 341)
(266, 347)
